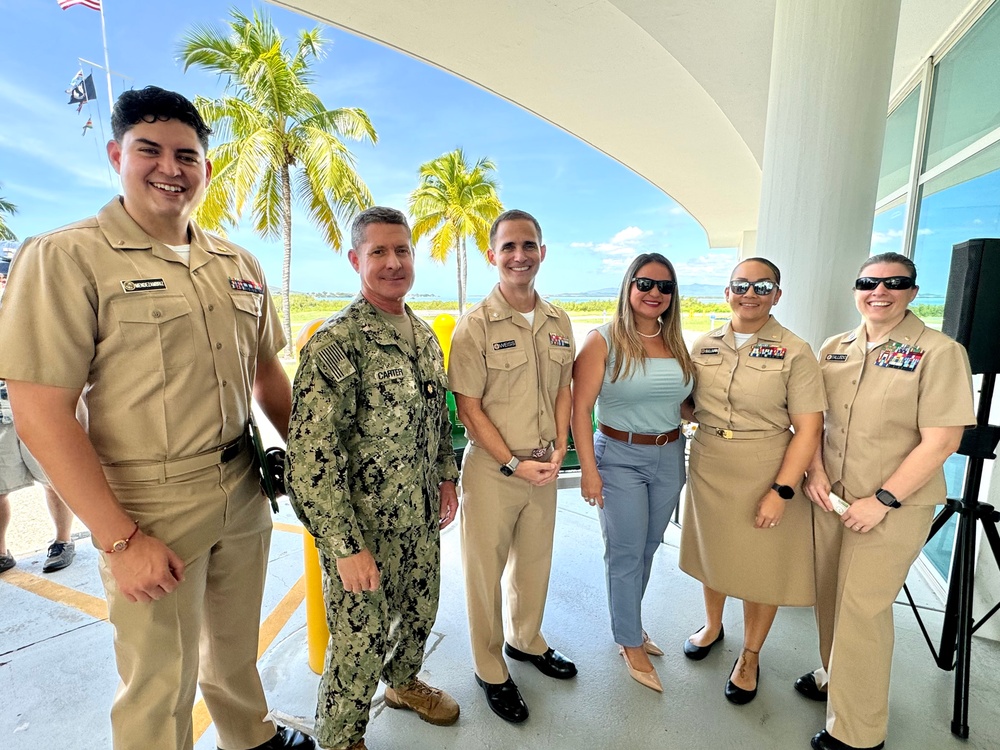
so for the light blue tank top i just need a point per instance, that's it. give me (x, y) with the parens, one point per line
(647, 402)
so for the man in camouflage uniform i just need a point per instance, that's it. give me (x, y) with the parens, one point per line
(371, 473)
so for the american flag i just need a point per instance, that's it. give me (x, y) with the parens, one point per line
(92, 4)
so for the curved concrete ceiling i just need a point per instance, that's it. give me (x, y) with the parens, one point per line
(676, 90)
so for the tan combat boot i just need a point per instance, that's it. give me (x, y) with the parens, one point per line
(432, 705)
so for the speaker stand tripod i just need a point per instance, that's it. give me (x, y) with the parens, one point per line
(955, 651)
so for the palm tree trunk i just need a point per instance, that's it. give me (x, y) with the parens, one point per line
(286, 264)
(465, 274)
(458, 272)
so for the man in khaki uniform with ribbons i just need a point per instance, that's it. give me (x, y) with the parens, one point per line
(510, 369)
(166, 333)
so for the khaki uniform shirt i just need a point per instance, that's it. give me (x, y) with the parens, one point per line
(876, 412)
(369, 439)
(757, 387)
(166, 355)
(516, 370)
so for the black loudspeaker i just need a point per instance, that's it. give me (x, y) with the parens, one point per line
(972, 307)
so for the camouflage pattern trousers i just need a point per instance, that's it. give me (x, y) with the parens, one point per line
(376, 634)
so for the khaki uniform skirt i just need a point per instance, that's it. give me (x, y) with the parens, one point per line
(719, 544)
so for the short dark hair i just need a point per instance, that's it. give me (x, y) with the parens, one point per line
(891, 258)
(374, 215)
(514, 214)
(151, 104)
(766, 262)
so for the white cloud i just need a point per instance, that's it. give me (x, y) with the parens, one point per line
(880, 238)
(581, 244)
(617, 252)
(711, 268)
(677, 211)
(628, 234)
(923, 232)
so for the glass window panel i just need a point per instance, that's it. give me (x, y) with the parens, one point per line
(960, 204)
(938, 550)
(887, 230)
(897, 150)
(964, 105)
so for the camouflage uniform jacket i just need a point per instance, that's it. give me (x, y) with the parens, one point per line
(369, 439)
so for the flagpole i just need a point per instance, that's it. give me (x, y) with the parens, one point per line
(107, 64)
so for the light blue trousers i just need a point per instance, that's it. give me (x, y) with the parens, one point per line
(642, 484)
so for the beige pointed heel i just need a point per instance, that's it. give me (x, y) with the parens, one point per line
(650, 679)
(651, 648)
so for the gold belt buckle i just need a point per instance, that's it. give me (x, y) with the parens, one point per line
(724, 434)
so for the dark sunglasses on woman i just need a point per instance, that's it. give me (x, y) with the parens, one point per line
(666, 286)
(870, 283)
(760, 288)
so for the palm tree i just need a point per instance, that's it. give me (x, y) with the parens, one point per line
(278, 140)
(454, 203)
(8, 208)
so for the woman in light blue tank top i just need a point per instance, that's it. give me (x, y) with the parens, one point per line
(636, 371)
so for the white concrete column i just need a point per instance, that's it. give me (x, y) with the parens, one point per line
(748, 244)
(830, 74)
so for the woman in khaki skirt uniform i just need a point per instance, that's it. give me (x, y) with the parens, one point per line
(747, 527)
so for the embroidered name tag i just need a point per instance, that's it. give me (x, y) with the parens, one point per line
(143, 285)
(836, 357)
(767, 351)
(900, 357)
(504, 345)
(245, 285)
(393, 373)
(557, 340)
(710, 350)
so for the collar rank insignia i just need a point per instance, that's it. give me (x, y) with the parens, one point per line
(429, 389)
(557, 340)
(143, 285)
(709, 350)
(836, 357)
(899, 356)
(245, 285)
(767, 351)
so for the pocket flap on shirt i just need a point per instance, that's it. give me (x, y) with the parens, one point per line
(154, 308)
(247, 302)
(506, 360)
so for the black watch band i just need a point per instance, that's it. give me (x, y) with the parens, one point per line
(887, 499)
(784, 491)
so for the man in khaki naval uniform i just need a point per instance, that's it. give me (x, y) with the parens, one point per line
(510, 369)
(882, 405)
(371, 474)
(167, 333)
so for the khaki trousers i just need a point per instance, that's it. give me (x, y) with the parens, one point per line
(206, 631)
(506, 525)
(858, 577)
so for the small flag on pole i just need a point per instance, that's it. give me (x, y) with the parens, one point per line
(82, 92)
(92, 4)
(88, 126)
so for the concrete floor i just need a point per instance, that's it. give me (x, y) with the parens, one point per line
(57, 674)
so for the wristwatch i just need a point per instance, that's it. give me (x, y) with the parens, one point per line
(510, 467)
(887, 499)
(122, 544)
(784, 491)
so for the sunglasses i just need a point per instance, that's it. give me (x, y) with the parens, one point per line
(666, 286)
(760, 288)
(870, 283)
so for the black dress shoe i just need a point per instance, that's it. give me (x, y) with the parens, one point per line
(806, 685)
(551, 663)
(698, 653)
(738, 695)
(826, 741)
(504, 699)
(288, 739)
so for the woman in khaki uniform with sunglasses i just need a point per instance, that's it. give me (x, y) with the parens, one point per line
(900, 397)
(746, 527)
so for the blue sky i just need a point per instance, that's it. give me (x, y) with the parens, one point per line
(595, 214)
